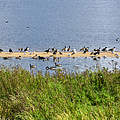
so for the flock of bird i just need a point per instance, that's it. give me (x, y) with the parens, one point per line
(74, 51)
(94, 52)
(19, 49)
(84, 50)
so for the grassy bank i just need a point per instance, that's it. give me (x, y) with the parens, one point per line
(61, 96)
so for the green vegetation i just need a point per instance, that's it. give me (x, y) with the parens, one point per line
(60, 96)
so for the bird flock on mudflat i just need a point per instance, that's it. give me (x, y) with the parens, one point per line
(68, 49)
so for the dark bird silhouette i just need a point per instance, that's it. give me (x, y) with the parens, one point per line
(85, 50)
(27, 27)
(19, 57)
(26, 49)
(98, 52)
(112, 49)
(57, 65)
(97, 49)
(20, 49)
(48, 50)
(91, 53)
(42, 58)
(117, 39)
(82, 49)
(6, 21)
(10, 50)
(60, 53)
(1, 50)
(32, 66)
(64, 49)
(68, 48)
(35, 57)
(51, 68)
(104, 49)
(55, 52)
(5, 58)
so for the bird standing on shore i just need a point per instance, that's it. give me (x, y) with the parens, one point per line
(74, 51)
(10, 50)
(98, 52)
(85, 50)
(112, 49)
(68, 48)
(104, 49)
(82, 49)
(20, 49)
(1, 50)
(26, 49)
(65, 49)
(97, 49)
(55, 52)
(48, 50)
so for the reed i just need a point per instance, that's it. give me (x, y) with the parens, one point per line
(60, 96)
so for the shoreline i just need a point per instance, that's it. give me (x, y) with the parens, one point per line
(50, 54)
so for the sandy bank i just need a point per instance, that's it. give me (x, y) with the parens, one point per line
(64, 54)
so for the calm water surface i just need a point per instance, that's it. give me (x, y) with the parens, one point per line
(56, 23)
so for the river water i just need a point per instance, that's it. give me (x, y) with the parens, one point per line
(41, 24)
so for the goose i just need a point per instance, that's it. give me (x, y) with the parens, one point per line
(112, 49)
(35, 57)
(5, 58)
(117, 39)
(91, 53)
(85, 50)
(50, 68)
(1, 50)
(55, 52)
(41, 58)
(74, 51)
(53, 49)
(48, 50)
(104, 49)
(82, 49)
(94, 58)
(26, 49)
(20, 49)
(56, 59)
(64, 49)
(32, 66)
(10, 50)
(60, 53)
(98, 52)
(68, 48)
(57, 65)
(19, 57)
(97, 49)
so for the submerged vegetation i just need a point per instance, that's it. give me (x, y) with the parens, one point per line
(60, 96)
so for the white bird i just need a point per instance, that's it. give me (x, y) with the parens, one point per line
(74, 51)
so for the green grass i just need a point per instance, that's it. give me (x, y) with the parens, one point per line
(60, 96)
